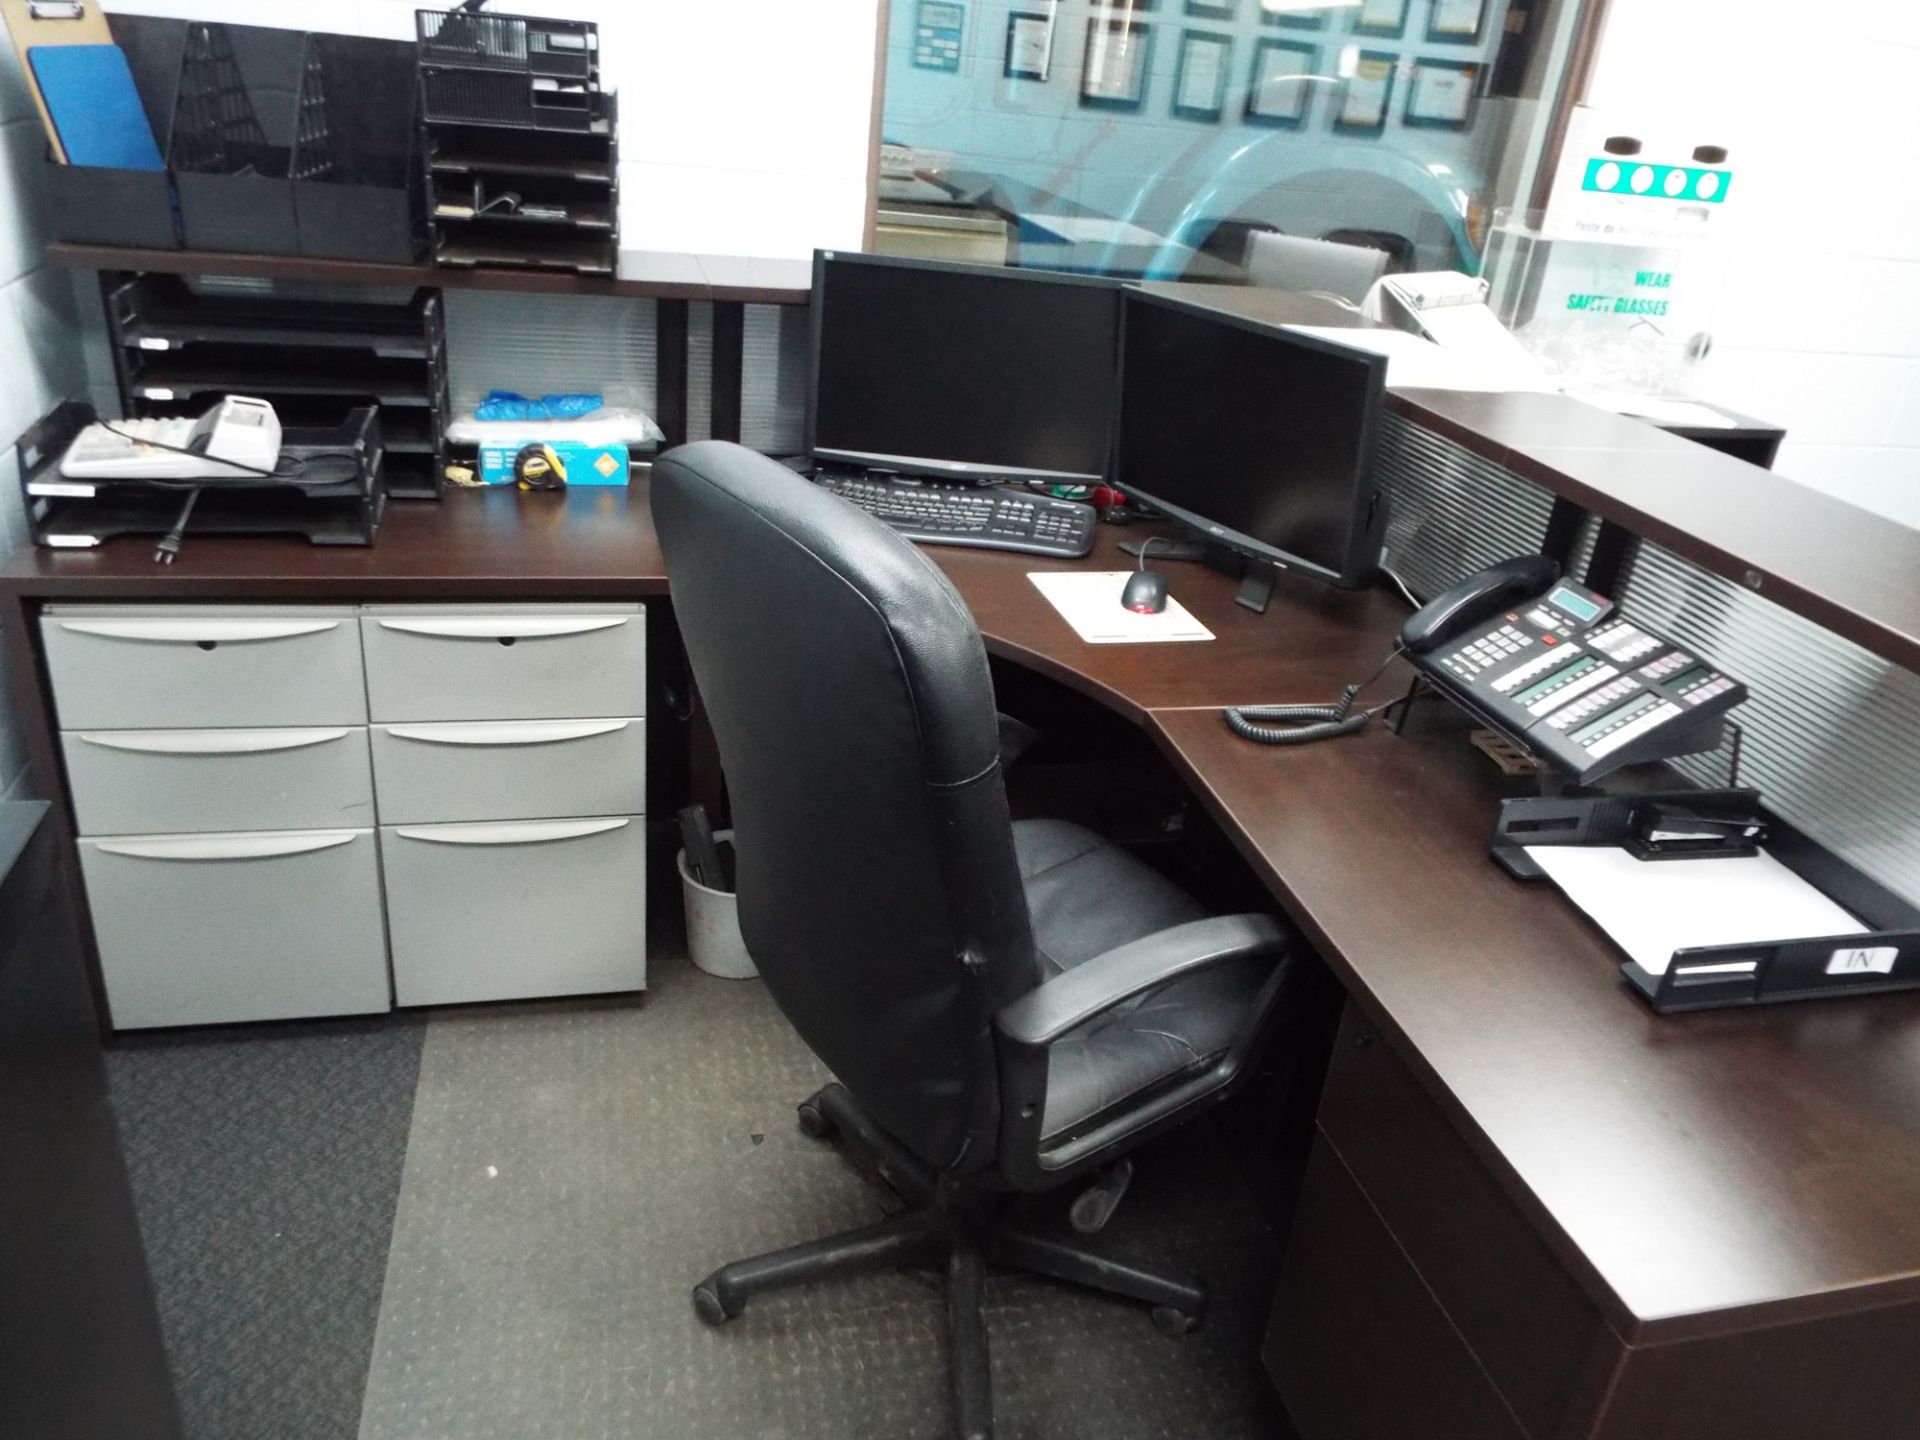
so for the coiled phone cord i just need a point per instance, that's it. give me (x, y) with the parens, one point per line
(1304, 724)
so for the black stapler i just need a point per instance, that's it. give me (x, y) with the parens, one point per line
(1668, 829)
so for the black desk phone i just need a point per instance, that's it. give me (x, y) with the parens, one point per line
(1549, 664)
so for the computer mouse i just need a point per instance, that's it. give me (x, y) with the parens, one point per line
(1146, 592)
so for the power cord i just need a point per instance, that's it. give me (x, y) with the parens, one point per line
(287, 468)
(1147, 545)
(171, 542)
(1401, 585)
(1304, 724)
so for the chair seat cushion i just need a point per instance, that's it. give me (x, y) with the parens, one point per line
(1087, 896)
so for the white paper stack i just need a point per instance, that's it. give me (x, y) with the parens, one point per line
(1650, 908)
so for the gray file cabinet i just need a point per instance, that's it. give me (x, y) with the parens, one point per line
(254, 848)
(510, 771)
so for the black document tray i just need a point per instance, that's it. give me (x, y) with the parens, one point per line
(1710, 977)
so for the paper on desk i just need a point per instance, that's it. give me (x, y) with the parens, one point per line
(1653, 907)
(1089, 600)
(1090, 230)
(1657, 409)
(1414, 362)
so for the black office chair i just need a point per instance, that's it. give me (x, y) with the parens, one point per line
(1007, 1007)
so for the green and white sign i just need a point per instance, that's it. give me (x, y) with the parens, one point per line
(1609, 175)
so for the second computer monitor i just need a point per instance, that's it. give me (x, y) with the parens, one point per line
(1256, 436)
(963, 371)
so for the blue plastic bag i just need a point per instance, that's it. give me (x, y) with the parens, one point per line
(511, 405)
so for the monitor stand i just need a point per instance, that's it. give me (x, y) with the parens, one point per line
(1256, 576)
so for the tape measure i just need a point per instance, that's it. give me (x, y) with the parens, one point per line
(536, 467)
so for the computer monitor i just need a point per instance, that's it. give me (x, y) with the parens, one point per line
(1260, 438)
(967, 372)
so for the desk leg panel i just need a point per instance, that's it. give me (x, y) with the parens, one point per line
(1545, 1344)
(1357, 1344)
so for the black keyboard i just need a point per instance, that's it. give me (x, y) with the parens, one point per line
(989, 518)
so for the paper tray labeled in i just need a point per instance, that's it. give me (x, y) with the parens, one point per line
(1795, 922)
(1652, 911)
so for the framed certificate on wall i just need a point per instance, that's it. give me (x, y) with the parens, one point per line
(1457, 22)
(1440, 94)
(1280, 90)
(1367, 95)
(1200, 82)
(1113, 69)
(1386, 19)
(1294, 14)
(1029, 46)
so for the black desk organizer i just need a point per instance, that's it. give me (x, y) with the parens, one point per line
(277, 142)
(104, 205)
(354, 196)
(286, 143)
(1696, 977)
(338, 503)
(177, 348)
(519, 143)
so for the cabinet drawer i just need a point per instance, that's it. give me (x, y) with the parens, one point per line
(468, 663)
(516, 909)
(1530, 1325)
(137, 782)
(510, 769)
(191, 667)
(205, 929)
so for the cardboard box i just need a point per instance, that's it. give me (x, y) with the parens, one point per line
(585, 464)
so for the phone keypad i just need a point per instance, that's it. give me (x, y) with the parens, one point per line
(1671, 663)
(1538, 665)
(1494, 648)
(1623, 643)
(1587, 706)
(1712, 685)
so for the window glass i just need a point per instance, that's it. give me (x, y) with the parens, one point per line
(1166, 138)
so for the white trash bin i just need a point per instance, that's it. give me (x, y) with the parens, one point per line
(713, 924)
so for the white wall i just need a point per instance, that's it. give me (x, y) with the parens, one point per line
(743, 123)
(1818, 328)
(40, 360)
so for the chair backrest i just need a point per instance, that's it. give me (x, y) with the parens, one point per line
(848, 690)
(1293, 262)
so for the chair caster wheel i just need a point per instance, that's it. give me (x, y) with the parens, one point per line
(710, 1307)
(1169, 1320)
(814, 1122)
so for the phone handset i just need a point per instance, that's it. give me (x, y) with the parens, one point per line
(1476, 598)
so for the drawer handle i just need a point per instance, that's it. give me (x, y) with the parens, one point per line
(229, 847)
(209, 742)
(515, 832)
(205, 632)
(510, 732)
(505, 628)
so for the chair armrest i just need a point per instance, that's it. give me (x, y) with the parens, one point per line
(1067, 1001)
(1016, 738)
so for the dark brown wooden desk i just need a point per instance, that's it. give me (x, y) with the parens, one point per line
(1535, 1209)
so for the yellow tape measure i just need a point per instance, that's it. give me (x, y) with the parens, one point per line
(537, 467)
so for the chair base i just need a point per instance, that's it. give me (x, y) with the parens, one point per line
(954, 1229)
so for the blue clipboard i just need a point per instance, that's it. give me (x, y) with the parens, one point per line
(96, 111)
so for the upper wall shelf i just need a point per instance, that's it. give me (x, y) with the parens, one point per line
(642, 274)
(1847, 569)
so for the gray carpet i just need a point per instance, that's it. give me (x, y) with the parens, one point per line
(266, 1165)
(574, 1169)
